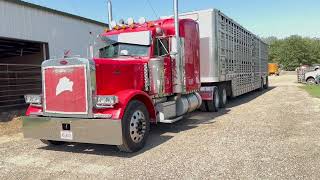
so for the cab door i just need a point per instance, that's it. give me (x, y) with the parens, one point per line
(161, 50)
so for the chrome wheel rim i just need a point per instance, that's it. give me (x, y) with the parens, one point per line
(138, 126)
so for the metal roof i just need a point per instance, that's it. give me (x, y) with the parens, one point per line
(23, 3)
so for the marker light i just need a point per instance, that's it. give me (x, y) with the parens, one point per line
(142, 20)
(150, 24)
(123, 26)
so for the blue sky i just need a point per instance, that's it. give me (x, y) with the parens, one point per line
(279, 18)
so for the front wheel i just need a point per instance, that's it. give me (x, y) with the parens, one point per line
(135, 127)
(311, 81)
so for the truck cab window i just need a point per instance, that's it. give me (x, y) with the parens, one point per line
(108, 51)
(121, 49)
(161, 47)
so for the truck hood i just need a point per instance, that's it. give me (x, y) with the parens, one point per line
(114, 75)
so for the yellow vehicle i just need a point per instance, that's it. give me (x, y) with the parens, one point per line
(273, 69)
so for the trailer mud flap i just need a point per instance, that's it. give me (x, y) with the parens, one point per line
(206, 93)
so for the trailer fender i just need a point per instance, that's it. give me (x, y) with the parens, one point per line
(206, 92)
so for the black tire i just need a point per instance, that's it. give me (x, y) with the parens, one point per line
(135, 127)
(52, 143)
(213, 105)
(266, 86)
(204, 106)
(311, 81)
(261, 85)
(223, 96)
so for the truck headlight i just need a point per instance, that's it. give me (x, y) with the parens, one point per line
(33, 99)
(106, 101)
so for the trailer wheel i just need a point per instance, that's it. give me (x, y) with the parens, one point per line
(52, 143)
(223, 97)
(135, 127)
(213, 105)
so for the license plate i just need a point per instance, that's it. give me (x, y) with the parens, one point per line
(67, 135)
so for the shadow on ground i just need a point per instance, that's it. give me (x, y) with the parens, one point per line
(8, 114)
(159, 133)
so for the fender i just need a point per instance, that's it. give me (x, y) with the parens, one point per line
(124, 98)
(33, 110)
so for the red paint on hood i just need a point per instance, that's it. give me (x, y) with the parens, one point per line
(114, 75)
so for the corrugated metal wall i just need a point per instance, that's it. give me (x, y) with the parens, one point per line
(60, 32)
(24, 21)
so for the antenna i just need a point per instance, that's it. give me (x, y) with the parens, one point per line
(153, 10)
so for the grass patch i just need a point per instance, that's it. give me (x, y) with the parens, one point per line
(313, 90)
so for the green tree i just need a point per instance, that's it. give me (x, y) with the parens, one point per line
(293, 51)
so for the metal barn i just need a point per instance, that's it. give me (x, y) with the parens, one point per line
(30, 34)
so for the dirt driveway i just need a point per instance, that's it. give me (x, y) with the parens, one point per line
(273, 134)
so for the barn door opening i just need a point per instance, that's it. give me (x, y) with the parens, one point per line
(20, 70)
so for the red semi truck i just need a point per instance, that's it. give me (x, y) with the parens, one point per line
(142, 73)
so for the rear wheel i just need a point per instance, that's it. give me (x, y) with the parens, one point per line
(52, 143)
(223, 96)
(213, 105)
(135, 127)
(204, 106)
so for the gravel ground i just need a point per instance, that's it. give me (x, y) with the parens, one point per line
(10, 125)
(273, 134)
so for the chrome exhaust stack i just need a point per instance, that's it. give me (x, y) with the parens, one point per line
(110, 18)
(177, 51)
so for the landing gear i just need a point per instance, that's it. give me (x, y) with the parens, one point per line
(136, 126)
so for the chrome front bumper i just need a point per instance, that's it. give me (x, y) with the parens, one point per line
(95, 131)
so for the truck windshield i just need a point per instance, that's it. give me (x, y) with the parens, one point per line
(121, 49)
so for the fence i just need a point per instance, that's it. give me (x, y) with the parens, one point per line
(16, 80)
